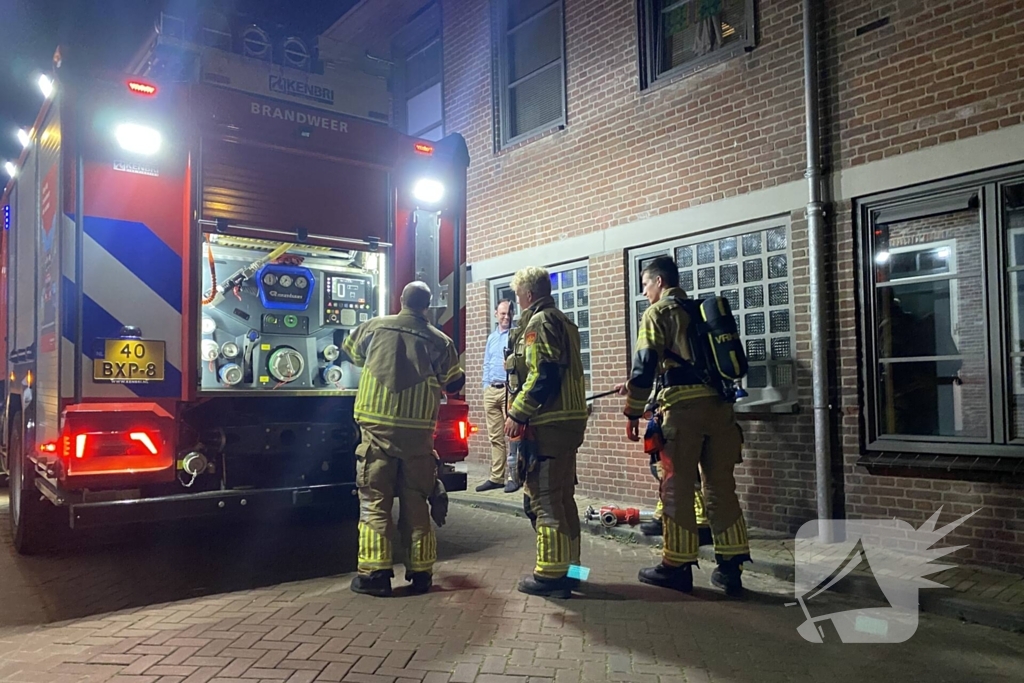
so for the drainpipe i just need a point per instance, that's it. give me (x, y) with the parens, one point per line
(816, 254)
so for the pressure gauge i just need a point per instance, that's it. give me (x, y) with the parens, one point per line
(209, 325)
(209, 350)
(332, 374)
(230, 374)
(286, 280)
(229, 350)
(286, 364)
(301, 282)
(331, 352)
(269, 279)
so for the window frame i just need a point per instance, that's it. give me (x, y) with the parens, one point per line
(933, 199)
(760, 400)
(500, 74)
(496, 286)
(646, 56)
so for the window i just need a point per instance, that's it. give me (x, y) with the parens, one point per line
(529, 69)
(750, 267)
(419, 104)
(942, 321)
(678, 36)
(570, 288)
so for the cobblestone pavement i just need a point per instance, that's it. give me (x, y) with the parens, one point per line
(195, 604)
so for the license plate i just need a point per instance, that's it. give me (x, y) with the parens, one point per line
(130, 361)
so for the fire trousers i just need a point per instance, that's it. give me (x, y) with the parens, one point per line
(550, 489)
(494, 405)
(701, 432)
(699, 510)
(394, 462)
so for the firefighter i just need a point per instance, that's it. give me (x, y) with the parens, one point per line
(549, 415)
(698, 427)
(406, 364)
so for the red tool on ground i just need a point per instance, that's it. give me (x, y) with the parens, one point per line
(611, 516)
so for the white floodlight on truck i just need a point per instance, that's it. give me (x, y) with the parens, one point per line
(46, 85)
(428, 191)
(138, 139)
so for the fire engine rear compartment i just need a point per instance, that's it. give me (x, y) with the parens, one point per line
(276, 430)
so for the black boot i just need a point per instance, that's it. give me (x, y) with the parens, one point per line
(727, 576)
(652, 528)
(376, 583)
(546, 588)
(705, 535)
(421, 582)
(676, 578)
(487, 486)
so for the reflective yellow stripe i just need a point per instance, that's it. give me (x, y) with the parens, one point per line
(415, 407)
(698, 508)
(349, 346)
(452, 374)
(733, 541)
(423, 553)
(553, 553)
(680, 545)
(559, 416)
(374, 550)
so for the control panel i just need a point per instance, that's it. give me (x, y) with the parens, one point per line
(346, 300)
(275, 316)
(284, 287)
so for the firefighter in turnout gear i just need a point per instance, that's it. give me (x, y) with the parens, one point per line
(549, 414)
(698, 428)
(406, 363)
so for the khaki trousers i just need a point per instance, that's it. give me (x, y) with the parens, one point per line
(394, 462)
(494, 405)
(550, 490)
(701, 432)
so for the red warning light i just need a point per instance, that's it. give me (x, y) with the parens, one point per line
(424, 148)
(140, 88)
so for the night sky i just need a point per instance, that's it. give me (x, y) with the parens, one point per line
(105, 34)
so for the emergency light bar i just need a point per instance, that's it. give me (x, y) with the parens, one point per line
(140, 88)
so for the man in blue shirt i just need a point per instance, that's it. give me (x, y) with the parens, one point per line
(494, 398)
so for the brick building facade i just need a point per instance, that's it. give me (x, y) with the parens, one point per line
(659, 145)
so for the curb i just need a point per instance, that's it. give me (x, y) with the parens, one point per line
(971, 610)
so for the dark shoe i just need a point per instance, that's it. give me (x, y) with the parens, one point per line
(705, 535)
(487, 486)
(676, 578)
(546, 588)
(421, 582)
(376, 583)
(511, 487)
(652, 528)
(728, 578)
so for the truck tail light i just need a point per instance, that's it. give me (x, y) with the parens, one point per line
(136, 450)
(463, 430)
(117, 441)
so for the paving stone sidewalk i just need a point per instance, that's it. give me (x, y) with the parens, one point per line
(474, 627)
(978, 594)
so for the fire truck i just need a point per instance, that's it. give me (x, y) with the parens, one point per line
(186, 247)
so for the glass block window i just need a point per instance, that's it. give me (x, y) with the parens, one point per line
(751, 268)
(570, 288)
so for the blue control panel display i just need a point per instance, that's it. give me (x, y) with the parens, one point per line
(285, 287)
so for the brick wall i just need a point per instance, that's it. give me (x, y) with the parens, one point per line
(931, 73)
(937, 72)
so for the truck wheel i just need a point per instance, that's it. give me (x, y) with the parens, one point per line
(32, 520)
